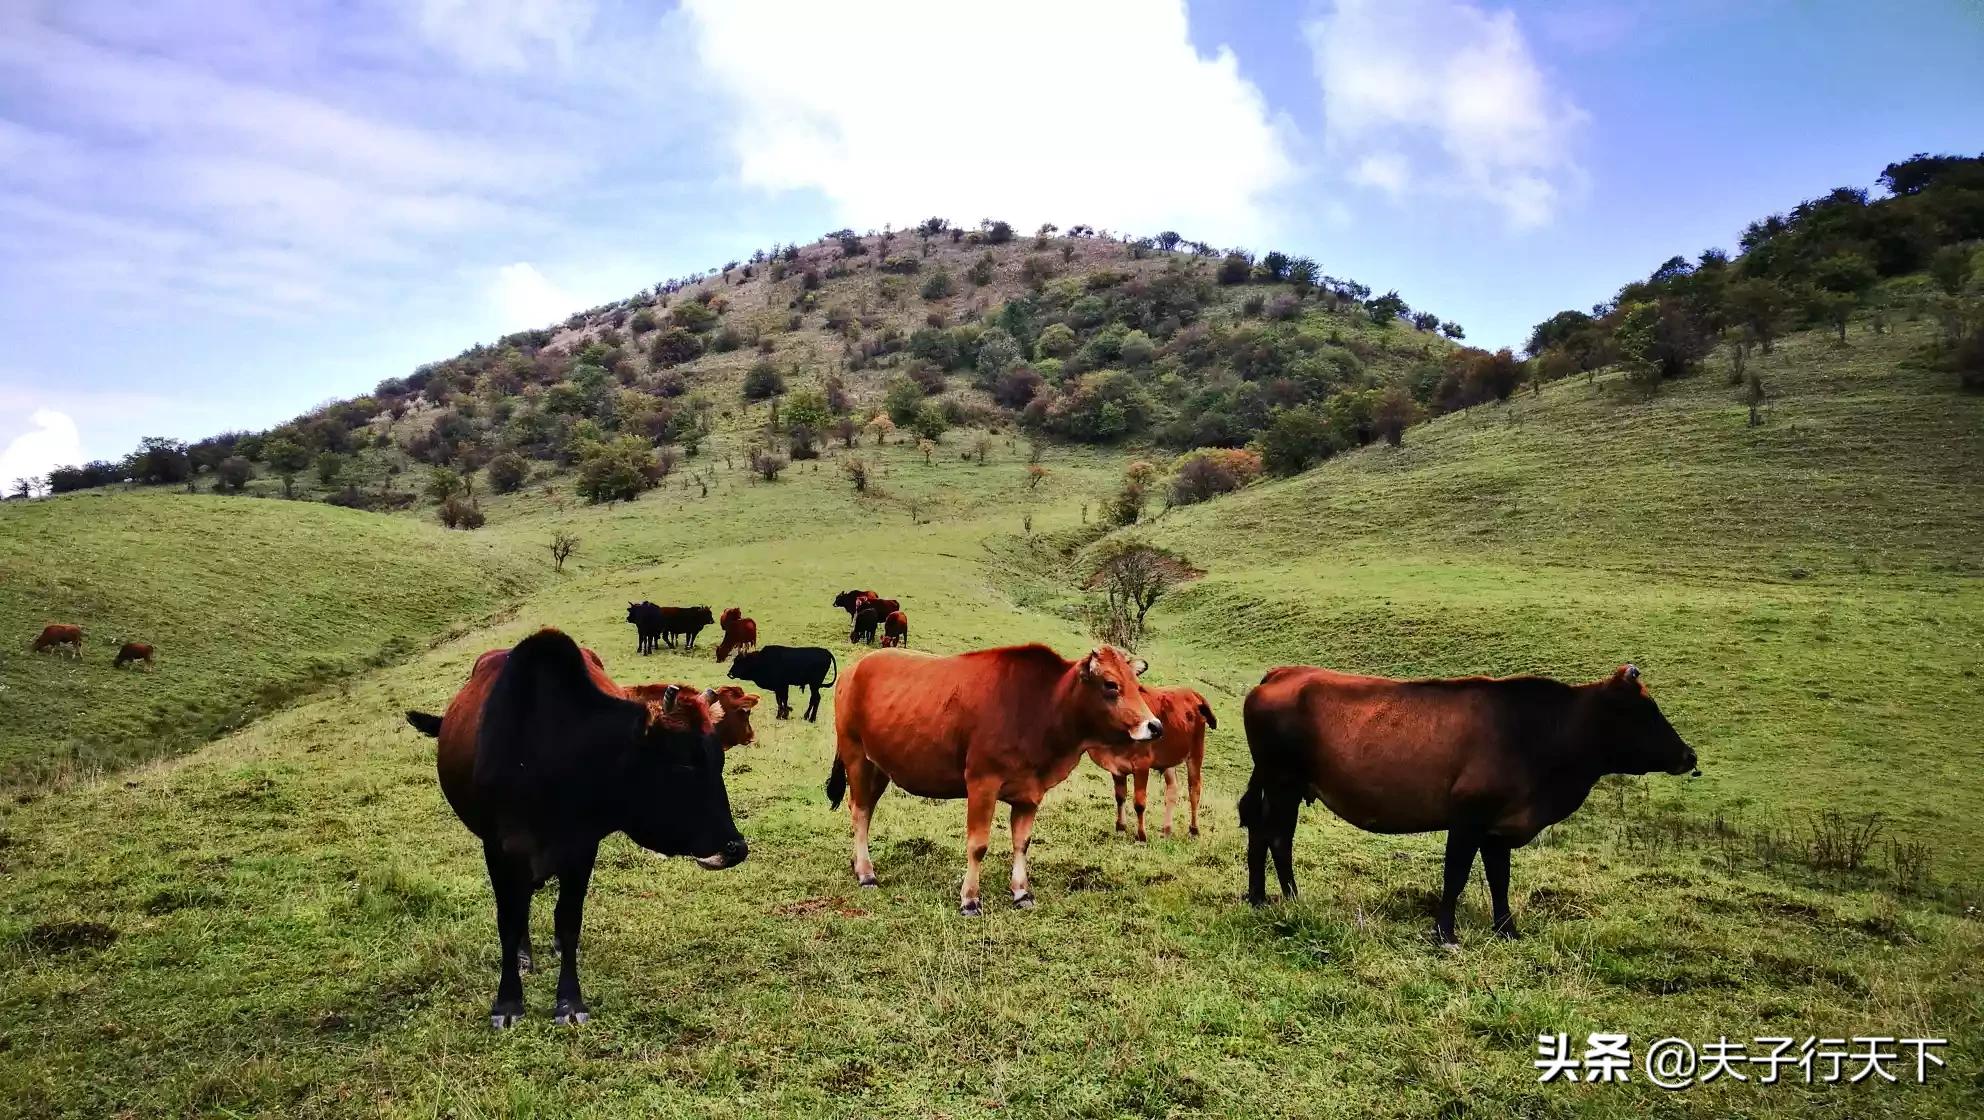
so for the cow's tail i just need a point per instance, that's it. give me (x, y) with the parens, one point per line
(1253, 803)
(426, 723)
(834, 663)
(837, 783)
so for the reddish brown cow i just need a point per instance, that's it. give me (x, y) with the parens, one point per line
(739, 633)
(133, 651)
(730, 704)
(1186, 716)
(895, 630)
(60, 634)
(1493, 762)
(995, 725)
(542, 756)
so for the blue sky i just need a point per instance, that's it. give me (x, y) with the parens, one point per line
(217, 214)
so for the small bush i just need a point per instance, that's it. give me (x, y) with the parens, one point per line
(764, 381)
(508, 472)
(459, 514)
(1212, 471)
(939, 285)
(233, 473)
(767, 464)
(856, 470)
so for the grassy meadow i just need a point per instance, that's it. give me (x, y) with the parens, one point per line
(290, 922)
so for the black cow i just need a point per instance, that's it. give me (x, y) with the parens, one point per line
(866, 621)
(782, 667)
(542, 756)
(664, 624)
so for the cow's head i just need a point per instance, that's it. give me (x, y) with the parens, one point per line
(634, 611)
(729, 617)
(845, 600)
(701, 616)
(680, 805)
(733, 708)
(744, 667)
(1633, 737)
(1115, 710)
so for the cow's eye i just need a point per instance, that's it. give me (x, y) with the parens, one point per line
(1111, 689)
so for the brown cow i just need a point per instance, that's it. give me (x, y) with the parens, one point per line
(133, 651)
(542, 756)
(895, 630)
(995, 725)
(1186, 716)
(60, 634)
(1492, 761)
(731, 706)
(739, 633)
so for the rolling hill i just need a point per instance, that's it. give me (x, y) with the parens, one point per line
(290, 920)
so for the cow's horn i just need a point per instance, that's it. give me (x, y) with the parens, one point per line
(709, 696)
(1632, 672)
(668, 697)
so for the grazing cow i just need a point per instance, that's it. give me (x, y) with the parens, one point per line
(883, 608)
(1186, 717)
(895, 629)
(542, 756)
(786, 667)
(866, 621)
(730, 705)
(1491, 761)
(850, 601)
(133, 651)
(665, 624)
(995, 725)
(60, 634)
(739, 633)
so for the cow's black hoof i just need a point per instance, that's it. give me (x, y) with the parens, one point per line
(1507, 931)
(1193, 831)
(570, 1013)
(506, 1014)
(1023, 900)
(1121, 827)
(524, 963)
(870, 881)
(1445, 938)
(971, 909)
(1257, 901)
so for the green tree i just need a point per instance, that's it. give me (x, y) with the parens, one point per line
(1057, 341)
(287, 460)
(930, 422)
(764, 381)
(902, 400)
(997, 353)
(1295, 440)
(507, 472)
(617, 471)
(233, 473)
(808, 408)
(443, 484)
(329, 466)
(939, 285)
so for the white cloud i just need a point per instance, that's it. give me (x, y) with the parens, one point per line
(526, 299)
(1032, 110)
(1457, 83)
(53, 441)
(505, 34)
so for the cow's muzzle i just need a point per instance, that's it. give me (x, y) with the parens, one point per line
(1147, 730)
(1689, 764)
(732, 854)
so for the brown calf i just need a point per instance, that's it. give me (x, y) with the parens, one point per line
(133, 651)
(60, 634)
(1186, 716)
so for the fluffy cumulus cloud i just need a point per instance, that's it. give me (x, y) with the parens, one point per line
(526, 299)
(1442, 97)
(50, 441)
(1100, 112)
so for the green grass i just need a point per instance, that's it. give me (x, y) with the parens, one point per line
(249, 604)
(290, 922)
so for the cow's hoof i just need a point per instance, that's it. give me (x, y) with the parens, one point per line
(504, 1015)
(1193, 831)
(971, 909)
(1023, 900)
(1142, 839)
(1507, 931)
(1446, 939)
(868, 881)
(1257, 901)
(570, 1013)
(524, 963)
(1121, 827)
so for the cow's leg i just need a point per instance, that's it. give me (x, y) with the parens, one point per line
(1170, 796)
(511, 884)
(784, 707)
(1253, 818)
(1122, 794)
(1022, 840)
(865, 783)
(813, 705)
(1143, 794)
(574, 875)
(981, 801)
(1495, 858)
(1284, 808)
(1462, 843)
(1193, 776)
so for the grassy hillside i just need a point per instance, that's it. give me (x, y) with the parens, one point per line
(290, 921)
(249, 603)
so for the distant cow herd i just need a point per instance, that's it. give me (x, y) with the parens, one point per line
(542, 755)
(62, 637)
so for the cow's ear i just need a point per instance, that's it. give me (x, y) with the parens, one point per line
(746, 702)
(1140, 665)
(710, 696)
(1626, 674)
(1205, 710)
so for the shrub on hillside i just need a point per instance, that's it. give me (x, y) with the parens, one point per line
(764, 381)
(767, 464)
(1016, 387)
(939, 285)
(980, 273)
(1056, 341)
(456, 513)
(508, 472)
(803, 440)
(1235, 269)
(329, 466)
(232, 474)
(675, 346)
(930, 421)
(1295, 440)
(617, 471)
(1212, 471)
(693, 316)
